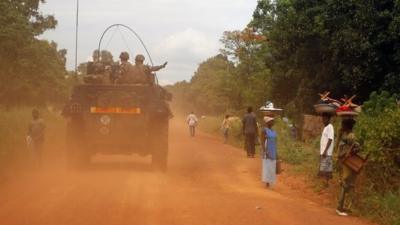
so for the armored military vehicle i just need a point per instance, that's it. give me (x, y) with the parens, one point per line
(117, 119)
(109, 117)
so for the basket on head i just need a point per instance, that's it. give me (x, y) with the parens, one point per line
(347, 114)
(348, 111)
(325, 108)
(269, 109)
(268, 113)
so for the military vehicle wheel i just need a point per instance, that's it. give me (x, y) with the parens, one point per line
(77, 156)
(159, 139)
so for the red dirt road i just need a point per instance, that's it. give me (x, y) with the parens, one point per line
(207, 183)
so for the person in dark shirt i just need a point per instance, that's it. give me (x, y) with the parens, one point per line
(250, 132)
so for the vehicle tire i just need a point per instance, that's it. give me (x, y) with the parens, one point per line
(77, 156)
(159, 137)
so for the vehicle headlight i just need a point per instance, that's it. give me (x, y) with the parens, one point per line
(105, 120)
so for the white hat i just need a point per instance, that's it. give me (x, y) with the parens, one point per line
(268, 119)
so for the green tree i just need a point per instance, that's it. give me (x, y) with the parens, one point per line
(378, 129)
(342, 46)
(32, 70)
(208, 92)
(251, 75)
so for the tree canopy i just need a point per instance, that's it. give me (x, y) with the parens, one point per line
(341, 46)
(293, 49)
(33, 70)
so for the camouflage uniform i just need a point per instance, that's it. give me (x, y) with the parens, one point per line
(143, 73)
(125, 69)
(125, 72)
(139, 59)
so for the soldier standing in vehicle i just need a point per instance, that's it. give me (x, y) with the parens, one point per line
(125, 75)
(36, 135)
(143, 72)
(139, 62)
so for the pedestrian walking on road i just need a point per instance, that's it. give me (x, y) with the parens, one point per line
(326, 149)
(36, 135)
(225, 126)
(192, 120)
(269, 152)
(250, 132)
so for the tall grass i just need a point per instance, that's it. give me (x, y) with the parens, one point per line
(383, 208)
(13, 128)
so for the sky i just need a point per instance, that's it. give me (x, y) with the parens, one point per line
(182, 32)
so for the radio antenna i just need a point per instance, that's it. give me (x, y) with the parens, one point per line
(76, 38)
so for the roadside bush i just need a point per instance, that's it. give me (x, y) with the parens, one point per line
(14, 124)
(378, 129)
(385, 208)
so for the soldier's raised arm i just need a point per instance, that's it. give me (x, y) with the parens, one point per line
(139, 60)
(157, 68)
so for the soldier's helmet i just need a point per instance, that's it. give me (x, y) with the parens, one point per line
(139, 58)
(124, 56)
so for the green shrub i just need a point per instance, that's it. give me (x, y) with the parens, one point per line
(384, 208)
(378, 129)
(14, 124)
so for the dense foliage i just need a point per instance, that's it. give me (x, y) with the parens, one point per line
(32, 70)
(342, 46)
(293, 49)
(379, 132)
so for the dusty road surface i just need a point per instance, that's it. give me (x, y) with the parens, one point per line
(207, 183)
